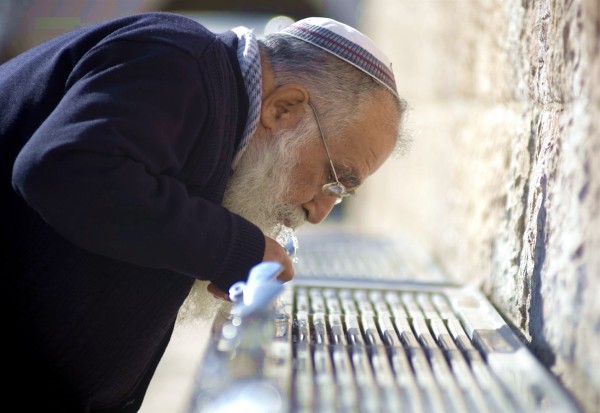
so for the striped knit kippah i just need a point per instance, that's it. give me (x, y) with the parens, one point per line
(347, 44)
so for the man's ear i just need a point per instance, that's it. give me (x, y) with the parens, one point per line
(284, 107)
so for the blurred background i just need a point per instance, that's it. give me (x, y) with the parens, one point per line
(501, 185)
(24, 23)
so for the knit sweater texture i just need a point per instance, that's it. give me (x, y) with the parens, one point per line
(116, 143)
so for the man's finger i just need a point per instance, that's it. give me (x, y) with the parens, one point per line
(217, 292)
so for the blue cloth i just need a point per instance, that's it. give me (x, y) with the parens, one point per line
(116, 143)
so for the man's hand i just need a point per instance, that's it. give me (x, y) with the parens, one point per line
(273, 252)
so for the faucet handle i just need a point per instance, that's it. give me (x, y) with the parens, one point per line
(259, 291)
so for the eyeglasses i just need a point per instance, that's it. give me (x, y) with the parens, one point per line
(336, 188)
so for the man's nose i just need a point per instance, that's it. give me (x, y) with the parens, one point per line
(319, 207)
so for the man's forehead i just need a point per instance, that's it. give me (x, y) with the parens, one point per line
(363, 149)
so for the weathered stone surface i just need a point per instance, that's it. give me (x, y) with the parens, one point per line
(502, 184)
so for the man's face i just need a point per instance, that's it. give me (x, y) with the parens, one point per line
(279, 180)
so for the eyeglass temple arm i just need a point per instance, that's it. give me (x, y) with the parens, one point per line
(324, 143)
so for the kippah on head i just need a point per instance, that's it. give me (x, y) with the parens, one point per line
(347, 44)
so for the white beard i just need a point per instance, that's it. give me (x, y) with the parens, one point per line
(256, 190)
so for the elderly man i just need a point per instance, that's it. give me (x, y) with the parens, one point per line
(146, 153)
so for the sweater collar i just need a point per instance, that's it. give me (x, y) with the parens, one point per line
(248, 57)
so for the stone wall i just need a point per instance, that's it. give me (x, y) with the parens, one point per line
(502, 184)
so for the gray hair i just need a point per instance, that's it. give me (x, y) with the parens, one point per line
(341, 92)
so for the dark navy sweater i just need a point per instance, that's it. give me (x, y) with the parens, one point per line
(116, 142)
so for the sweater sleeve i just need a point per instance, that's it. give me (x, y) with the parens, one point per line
(102, 168)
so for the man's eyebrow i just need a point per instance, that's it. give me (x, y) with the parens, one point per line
(349, 176)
